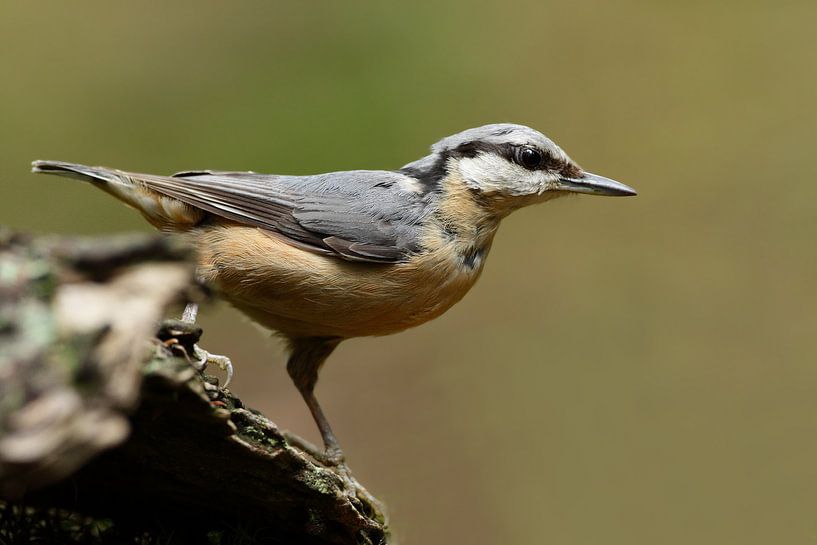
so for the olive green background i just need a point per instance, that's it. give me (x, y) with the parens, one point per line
(627, 371)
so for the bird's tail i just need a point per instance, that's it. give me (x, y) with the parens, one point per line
(162, 211)
(80, 172)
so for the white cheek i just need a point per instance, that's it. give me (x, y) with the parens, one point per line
(493, 174)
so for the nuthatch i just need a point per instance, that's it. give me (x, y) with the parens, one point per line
(328, 257)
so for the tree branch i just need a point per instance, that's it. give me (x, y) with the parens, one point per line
(100, 417)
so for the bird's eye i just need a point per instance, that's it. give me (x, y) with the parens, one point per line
(530, 158)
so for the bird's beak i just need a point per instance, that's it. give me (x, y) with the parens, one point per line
(594, 185)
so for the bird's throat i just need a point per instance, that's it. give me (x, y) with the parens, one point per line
(465, 223)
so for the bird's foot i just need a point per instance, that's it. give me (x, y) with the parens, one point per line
(181, 336)
(203, 357)
(332, 457)
(364, 501)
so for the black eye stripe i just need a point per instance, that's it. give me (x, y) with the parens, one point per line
(433, 172)
(511, 152)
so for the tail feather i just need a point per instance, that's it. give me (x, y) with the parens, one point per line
(162, 211)
(80, 172)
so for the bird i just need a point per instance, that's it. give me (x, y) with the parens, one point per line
(322, 258)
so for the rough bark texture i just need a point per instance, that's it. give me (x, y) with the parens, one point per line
(100, 417)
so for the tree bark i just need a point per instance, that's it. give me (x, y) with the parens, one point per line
(101, 418)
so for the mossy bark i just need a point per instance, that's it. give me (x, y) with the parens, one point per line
(100, 418)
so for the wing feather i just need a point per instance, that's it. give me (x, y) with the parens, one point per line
(354, 215)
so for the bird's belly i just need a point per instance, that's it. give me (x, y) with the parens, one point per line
(300, 294)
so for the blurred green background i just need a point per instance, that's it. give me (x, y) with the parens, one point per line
(627, 371)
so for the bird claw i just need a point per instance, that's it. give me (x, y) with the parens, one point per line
(204, 357)
(327, 457)
(334, 460)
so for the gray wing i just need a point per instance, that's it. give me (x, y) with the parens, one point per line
(357, 215)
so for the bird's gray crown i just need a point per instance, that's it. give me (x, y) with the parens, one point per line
(497, 134)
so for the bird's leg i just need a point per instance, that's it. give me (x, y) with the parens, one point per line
(224, 363)
(191, 310)
(307, 357)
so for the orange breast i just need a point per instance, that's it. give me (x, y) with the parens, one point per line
(299, 293)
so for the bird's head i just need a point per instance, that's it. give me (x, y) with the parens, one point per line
(510, 166)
